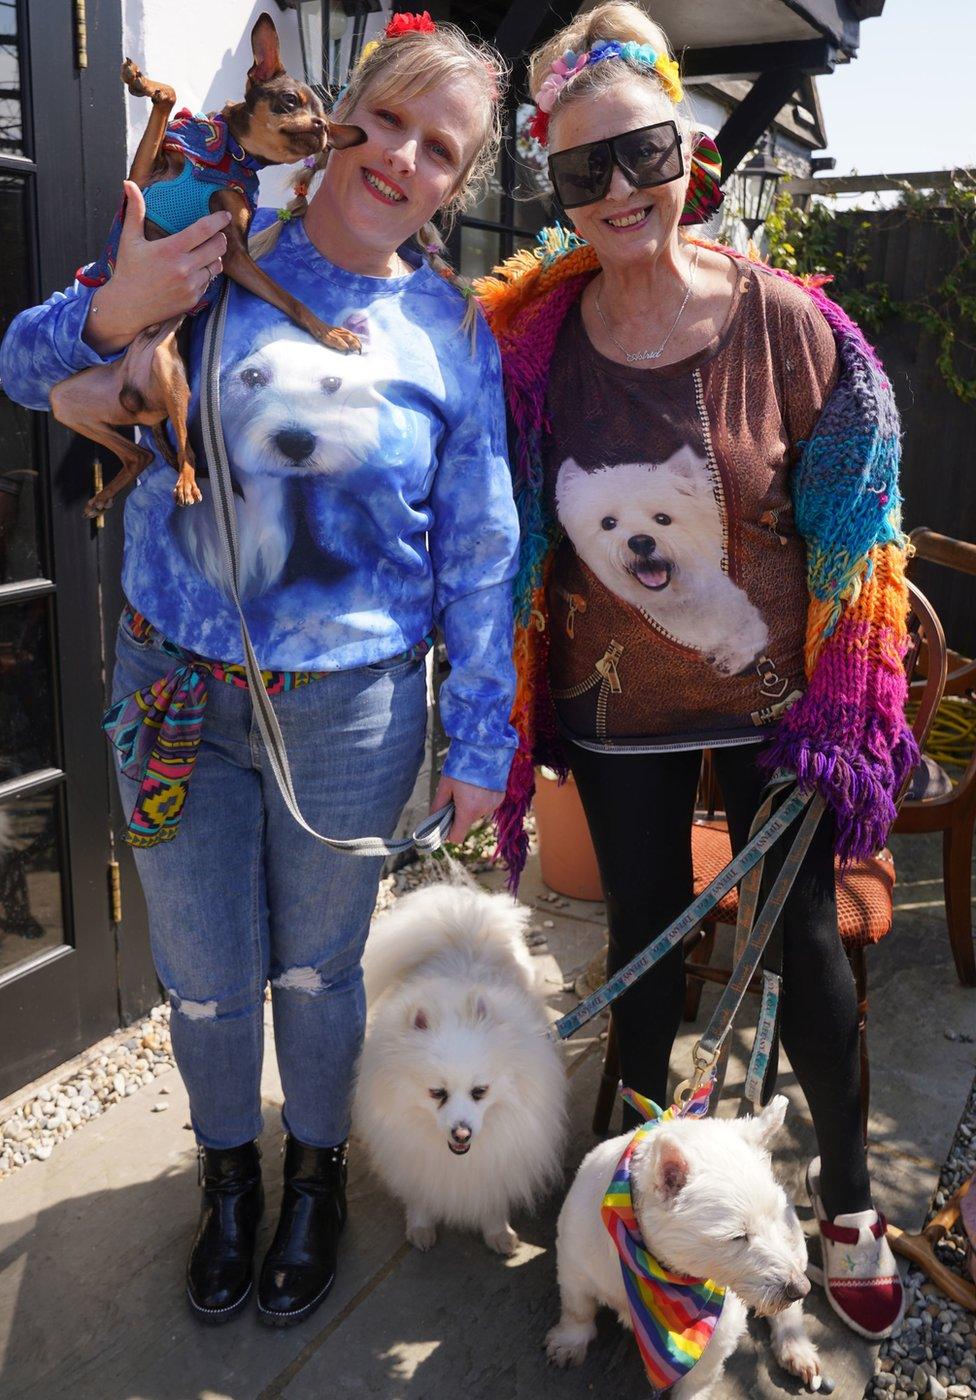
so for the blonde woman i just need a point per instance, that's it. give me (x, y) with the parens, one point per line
(374, 503)
(706, 468)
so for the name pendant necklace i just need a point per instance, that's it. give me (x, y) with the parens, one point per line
(637, 356)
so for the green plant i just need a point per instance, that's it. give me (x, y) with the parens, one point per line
(809, 242)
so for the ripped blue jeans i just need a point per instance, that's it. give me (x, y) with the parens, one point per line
(243, 896)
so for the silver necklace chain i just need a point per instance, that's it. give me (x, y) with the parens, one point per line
(637, 356)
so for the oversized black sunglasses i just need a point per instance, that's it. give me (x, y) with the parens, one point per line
(648, 156)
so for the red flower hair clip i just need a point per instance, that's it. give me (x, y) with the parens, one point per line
(538, 126)
(409, 24)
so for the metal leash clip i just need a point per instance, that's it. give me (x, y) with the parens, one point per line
(704, 1065)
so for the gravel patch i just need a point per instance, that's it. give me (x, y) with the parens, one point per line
(935, 1353)
(133, 1059)
(137, 1056)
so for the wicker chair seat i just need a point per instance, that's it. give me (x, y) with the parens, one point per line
(864, 892)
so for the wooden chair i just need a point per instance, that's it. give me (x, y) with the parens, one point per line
(864, 893)
(951, 807)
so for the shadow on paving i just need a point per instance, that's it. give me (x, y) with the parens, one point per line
(93, 1241)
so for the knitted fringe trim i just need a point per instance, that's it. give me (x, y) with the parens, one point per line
(859, 790)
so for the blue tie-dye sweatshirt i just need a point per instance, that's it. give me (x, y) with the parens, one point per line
(373, 491)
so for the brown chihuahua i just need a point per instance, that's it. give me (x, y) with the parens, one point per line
(188, 168)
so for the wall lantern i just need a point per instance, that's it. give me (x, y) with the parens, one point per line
(758, 180)
(322, 27)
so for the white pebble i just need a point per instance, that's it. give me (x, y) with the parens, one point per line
(160, 1107)
(118, 1084)
(42, 1152)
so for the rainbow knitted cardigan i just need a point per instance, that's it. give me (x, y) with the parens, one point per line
(847, 736)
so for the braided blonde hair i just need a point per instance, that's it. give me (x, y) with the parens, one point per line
(400, 68)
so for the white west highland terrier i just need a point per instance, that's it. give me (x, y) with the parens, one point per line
(707, 1206)
(460, 1098)
(652, 534)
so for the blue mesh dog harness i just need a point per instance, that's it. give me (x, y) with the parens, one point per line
(212, 160)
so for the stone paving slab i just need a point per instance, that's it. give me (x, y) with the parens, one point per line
(92, 1241)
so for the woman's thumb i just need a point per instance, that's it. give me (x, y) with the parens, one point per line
(135, 212)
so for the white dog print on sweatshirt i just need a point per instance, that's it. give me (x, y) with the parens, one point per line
(652, 534)
(291, 410)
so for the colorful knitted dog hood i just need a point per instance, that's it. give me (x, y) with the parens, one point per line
(673, 1316)
(846, 737)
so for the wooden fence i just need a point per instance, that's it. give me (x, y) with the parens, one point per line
(912, 256)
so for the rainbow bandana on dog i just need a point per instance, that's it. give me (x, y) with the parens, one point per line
(673, 1316)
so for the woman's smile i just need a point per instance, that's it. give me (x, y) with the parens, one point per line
(632, 218)
(382, 188)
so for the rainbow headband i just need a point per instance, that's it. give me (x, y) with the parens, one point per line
(565, 68)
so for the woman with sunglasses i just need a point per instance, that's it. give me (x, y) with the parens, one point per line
(706, 471)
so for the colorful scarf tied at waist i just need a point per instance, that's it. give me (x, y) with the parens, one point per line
(157, 729)
(673, 1315)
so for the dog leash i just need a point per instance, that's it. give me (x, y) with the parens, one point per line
(753, 935)
(432, 831)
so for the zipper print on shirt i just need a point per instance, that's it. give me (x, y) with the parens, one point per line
(606, 677)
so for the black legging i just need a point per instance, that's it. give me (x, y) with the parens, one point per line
(640, 809)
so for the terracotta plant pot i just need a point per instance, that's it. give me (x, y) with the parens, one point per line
(566, 855)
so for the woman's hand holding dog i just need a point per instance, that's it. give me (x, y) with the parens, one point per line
(154, 279)
(470, 804)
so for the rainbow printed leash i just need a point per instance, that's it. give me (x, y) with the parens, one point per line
(674, 1316)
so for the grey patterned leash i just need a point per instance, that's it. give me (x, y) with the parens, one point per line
(431, 832)
(752, 937)
(751, 854)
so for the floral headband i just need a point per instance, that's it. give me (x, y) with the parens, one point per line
(400, 24)
(704, 193)
(560, 72)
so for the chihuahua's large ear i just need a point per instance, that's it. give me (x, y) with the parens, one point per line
(340, 136)
(763, 1128)
(267, 54)
(671, 1168)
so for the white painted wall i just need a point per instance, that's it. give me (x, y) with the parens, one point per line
(202, 48)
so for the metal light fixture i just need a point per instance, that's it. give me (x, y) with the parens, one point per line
(759, 180)
(322, 26)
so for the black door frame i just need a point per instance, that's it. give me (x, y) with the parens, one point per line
(69, 996)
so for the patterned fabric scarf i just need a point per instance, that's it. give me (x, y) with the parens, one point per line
(673, 1315)
(157, 730)
(846, 737)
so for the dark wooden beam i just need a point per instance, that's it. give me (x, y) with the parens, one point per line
(737, 60)
(837, 20)
(753, 115)
(528, 23)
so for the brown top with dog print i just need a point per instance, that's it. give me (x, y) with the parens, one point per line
(677, 598)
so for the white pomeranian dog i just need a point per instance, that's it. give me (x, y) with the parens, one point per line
(652, 534)
(460, 1098)
(708, 1206)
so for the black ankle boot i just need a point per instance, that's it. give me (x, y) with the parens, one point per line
(299, 1268)
(219, 1271)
